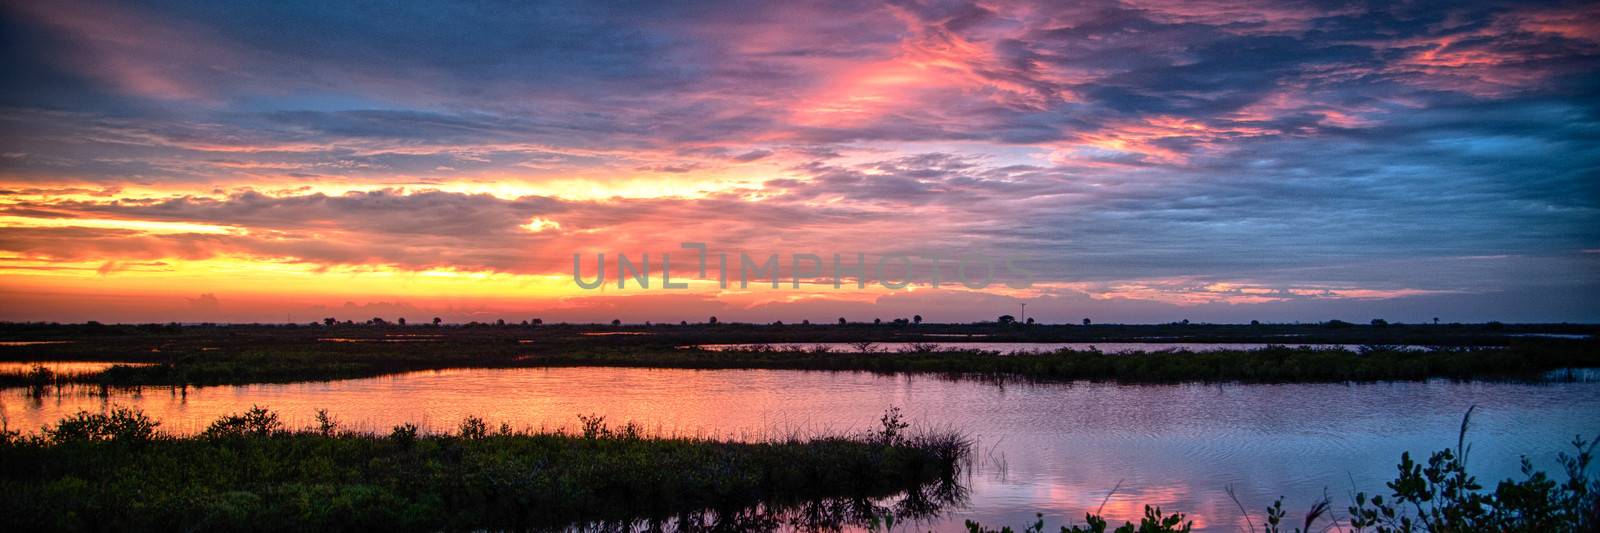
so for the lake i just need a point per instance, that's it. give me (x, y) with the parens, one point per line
(1058, 449)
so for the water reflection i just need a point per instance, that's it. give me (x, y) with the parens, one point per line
(922, 506)
(1058, 449)
(63, 367)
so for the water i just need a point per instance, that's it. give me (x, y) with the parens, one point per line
(63, 367)
(1573, 336)
(1057, 449)
(1019, 347)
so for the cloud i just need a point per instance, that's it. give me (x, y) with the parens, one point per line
(1263, 144)
(752, 155)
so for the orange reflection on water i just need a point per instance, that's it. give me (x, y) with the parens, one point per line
(63, 367)
(1127, 503)
(666, 402)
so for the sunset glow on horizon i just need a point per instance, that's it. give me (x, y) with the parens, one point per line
(1148, 161)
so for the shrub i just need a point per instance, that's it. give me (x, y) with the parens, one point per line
(594, 426)
(257, 422)
(404, 434)
(891, 428)
(121, 425)
(1443, 496)
(326, 425)
(474, 428)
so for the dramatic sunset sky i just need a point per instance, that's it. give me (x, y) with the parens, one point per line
(1150, 161)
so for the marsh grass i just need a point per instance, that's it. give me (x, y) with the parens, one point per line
(248, 471)
(240, 354)
(1273, 364)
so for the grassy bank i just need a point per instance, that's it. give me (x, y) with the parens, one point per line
(1277, 364)
(214, 355)
(247, 472)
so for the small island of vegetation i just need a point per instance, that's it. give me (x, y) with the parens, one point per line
(117, 471)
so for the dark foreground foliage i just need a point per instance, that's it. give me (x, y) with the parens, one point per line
(1443, 496)
(246, 472)
(1439, 497)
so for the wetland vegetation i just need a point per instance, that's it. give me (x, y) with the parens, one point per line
(174, 355)
(117, 470)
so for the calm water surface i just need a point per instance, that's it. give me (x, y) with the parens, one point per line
(1014, 347)
(1056, 449)
(64, 367)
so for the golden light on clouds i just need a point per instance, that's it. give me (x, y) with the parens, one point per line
(1151, 161)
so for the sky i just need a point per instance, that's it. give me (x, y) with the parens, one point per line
(1144, 161)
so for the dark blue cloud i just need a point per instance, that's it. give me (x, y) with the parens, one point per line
(1288, 143)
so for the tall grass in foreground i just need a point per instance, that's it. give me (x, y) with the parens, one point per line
(248, 472)
(1438, 497)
